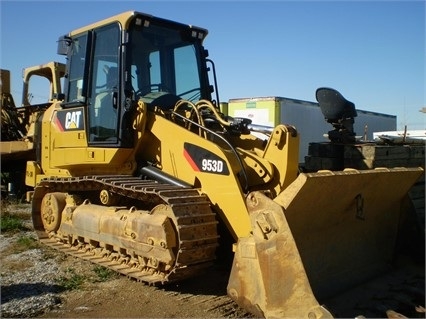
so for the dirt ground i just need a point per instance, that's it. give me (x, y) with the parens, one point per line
(401, 290)
(202, 297)
(205, 297)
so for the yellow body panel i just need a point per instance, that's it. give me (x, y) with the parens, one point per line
(33, 173)
(66, 153)
(161, 146)
(163, 143)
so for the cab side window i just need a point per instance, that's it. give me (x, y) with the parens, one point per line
(77, 67)
(103, 107)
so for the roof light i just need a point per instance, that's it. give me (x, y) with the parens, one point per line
(139, 22)
(197, 34)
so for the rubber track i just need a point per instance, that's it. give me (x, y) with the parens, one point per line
(191, 210)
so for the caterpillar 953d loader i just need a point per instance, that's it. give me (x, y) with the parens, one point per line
(138, 170)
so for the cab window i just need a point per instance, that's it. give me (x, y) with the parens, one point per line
(103, 107)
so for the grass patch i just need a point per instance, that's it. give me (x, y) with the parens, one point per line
(51, 253)
(11, 223)
(104, 274)
(27, 242)
(13, 216)
(71, 280)
(22, 243)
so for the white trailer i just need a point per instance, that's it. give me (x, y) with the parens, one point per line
(306, 116)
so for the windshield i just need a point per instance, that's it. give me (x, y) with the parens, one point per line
(164, 60)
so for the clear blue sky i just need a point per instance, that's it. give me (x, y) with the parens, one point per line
(373, 52)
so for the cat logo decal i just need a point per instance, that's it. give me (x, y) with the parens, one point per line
(70, 120)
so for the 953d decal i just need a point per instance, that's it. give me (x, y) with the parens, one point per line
(202, 160)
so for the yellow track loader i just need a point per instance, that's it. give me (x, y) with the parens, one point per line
(138, 170)
(18, 123)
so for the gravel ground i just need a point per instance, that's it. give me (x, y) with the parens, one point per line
(28, 286)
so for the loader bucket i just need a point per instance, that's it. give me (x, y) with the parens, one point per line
(325, 233)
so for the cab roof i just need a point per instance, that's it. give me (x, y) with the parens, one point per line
(126, 17)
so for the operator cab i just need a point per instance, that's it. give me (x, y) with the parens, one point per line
(115, 63)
